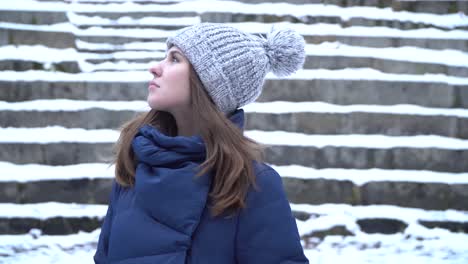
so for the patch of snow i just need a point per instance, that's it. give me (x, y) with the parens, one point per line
(279, 9)
(366, 74)
(52, 134)
(363, 176)
(52, 209)
(38, 172)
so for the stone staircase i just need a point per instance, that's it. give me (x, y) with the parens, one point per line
(374, 129)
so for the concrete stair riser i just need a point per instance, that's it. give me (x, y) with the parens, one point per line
(437, 7)
(59, 40)
(341, 92)
(430, 196)
(341, 62)
(33, 17)
(361, 41)
(50, 226)
(72, 225)
(119, 40)
(83, 191)
(25, 65)
(445, 160)
(232, 17)
(308, 123)
(138, 15)
(366, 158)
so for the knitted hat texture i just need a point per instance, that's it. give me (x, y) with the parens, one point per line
(232, 64)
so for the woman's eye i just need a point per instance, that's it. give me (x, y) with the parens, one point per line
(174, 59)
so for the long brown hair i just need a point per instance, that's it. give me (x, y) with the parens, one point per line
(229, 154)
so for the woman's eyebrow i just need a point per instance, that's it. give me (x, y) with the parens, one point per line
(172, 52)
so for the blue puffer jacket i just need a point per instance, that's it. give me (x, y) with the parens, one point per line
(164, 219)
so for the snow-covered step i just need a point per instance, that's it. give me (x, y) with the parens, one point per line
(51, 218)
(303, 117)
(35, 173)
(329, 55)
(317, 33)
(386, 219)
(61, 146)
(67, 218)
(59, 37)
(162, 20)
(204, 6)
(440, 190)
(331, 18)
(343, 87)
(90, 183)
(436, 7)
(57, 134)
(108, 47)
(357, 35)
(159, 20)
(419, 247)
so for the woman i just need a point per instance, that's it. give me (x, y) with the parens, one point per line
(190, 188)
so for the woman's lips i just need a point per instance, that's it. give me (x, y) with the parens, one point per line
(152, 85)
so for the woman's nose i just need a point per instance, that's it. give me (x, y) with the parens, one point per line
(156, 69)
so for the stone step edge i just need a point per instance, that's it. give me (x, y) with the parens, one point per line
(83, 21)
(320, 29)
(448, 58)
(57, 134)
(272, 107)
(345, 13)
(352, 219)
(349, 74)
(30, 173)
(48, 210)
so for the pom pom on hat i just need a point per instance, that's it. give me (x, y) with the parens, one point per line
(285, 49)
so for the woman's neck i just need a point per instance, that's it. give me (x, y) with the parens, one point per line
(185, 124)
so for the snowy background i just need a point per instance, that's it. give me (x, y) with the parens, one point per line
(53, 53)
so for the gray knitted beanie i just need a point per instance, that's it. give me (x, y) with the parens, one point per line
(232, 65)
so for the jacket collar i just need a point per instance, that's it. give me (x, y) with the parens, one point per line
(153, 147)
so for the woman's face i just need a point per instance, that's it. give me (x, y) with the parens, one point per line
(170, 88)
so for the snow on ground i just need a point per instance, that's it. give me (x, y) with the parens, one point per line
(45, 249)
(55, 134)
(415, 246)
(381, 249)
(356, 74)
(448, 21)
